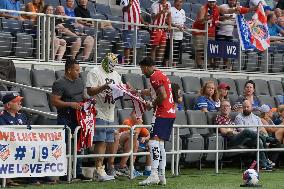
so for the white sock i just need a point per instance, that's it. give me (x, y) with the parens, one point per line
(148, 168)
(163, 160)
(155, 155)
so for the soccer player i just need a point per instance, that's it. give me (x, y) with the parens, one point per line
(164, 113)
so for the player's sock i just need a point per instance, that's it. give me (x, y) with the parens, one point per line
(162, 162)
(155, 155)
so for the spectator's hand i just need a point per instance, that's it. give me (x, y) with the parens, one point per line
(149, 105)
(62, 42)
(143, 139)
(75, 105)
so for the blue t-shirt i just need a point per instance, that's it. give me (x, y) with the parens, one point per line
(11, 5)
(274, 29)
(7, 119)
(203, 102)
(71, 13)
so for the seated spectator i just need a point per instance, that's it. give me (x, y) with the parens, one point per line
(223, 89)
(72, 37)
(177, 96)
(140, 138)
(208, 101)
(69, 11)
(248, 95)
(281, 22)
(59, 44)
(274, 29)
(11, 5)
(247, 118)
(35, 6)
(280, 119)
(82, 11)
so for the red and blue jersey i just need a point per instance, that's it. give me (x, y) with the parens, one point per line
(167, 108)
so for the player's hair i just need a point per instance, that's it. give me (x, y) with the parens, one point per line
(250, 82)
(69, 63)
(147, 61)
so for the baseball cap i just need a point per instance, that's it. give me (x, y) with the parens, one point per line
(224, 86)
(265, 108)
(11, 96)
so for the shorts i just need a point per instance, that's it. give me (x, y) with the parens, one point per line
(158, 37)
(162, 128)
(70, 39)
(128, 39)
(104, 134)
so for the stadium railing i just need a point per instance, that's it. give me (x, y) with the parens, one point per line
(68, 145)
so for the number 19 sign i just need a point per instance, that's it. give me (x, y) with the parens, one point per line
(32, 153)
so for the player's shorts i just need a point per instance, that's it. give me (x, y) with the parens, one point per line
(104, 134)
(158, 37)
(162, 128)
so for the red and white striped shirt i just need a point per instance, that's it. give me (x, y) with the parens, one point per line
(132, 15)
(158, 7)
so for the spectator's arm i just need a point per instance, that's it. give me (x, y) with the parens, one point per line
(61, 29)
(202, 16)
(96, 90)
(58, 103)
(8, 16)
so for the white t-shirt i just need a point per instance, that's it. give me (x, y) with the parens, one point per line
(253, 3)
(105, 103)
(178, 18)
(227, 28)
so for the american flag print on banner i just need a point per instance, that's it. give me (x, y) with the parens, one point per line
(139, 104)
(254, 33)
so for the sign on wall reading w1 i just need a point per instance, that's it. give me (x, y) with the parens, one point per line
(223, 49)
(32, 153)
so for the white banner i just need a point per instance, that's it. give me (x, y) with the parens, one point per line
(32, 153)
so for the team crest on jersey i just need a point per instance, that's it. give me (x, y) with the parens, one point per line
(4, 151)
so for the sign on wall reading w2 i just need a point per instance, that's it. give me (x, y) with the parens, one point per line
(32, 153)
(223, 49)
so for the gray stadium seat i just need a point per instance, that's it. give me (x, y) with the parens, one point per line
(277, 63)
(261, 87)
(189, 101)
(123, 114)
(197, 118)
(59, 74)
(251, 62)
(203, 80)
(191, 84)
(103, 9)
(266, 99)
(126, 102)
(231, 83)
(43, 78)
(240, 84)
(211, 117)
(23, 76)
(35, 100)
(134, 79)
(233, 99)
(83, 75)
(118, 104)
(275, 87)
(147, 117)
(181, 119)
(110, 35)
(5, 44)
(176, 79)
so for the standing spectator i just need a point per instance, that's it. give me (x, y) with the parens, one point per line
(178, 20)
(266, 119)
(141, 136)
(73, 37)
(223, 90)
(131, 14)
(273, 28)
(164, 119)
(97, 83)
(59, 44)
(248, 95)
(210, 12)
(11, 5)
(67, 92)
(160, 14)
(35, 6)
(235, 136)
(208, 101)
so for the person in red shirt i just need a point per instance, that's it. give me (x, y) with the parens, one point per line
(164, 115)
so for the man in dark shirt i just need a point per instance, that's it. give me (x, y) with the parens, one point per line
(72, 37)
(82, 11)
(67, 92)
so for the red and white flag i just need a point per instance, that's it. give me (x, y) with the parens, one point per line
(139, 104)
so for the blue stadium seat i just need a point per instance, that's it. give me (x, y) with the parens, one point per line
(103, 9)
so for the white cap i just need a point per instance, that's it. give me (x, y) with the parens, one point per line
(265, 108)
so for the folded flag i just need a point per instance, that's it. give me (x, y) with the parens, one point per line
(254, 34)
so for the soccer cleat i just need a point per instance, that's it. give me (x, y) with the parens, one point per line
(163, 180)
(151, 180)
(101, 175)
(270, 163)
(267, 168)
(124, 171)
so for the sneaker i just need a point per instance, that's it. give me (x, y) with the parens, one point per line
(83, 178)
(137, 174)
(163, 180)
(112, 172)
(270, 163)
(101, 175)
(146, 173)
(151, 180)
(124, 171)
(266, 168)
